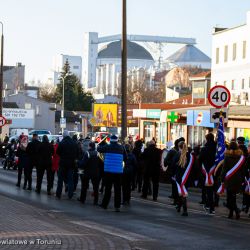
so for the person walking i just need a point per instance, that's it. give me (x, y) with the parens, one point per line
(46, 151)
(23, 161)
(55, 162)
(168, 163)
(152, 167)
(183, 162)
(114, 155)
(33, 153)
(207, 168)
(232, 177)
(138, 171)
(127, 177)
(91, 165)
(67, 151)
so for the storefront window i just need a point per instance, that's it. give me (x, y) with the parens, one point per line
(148, 132)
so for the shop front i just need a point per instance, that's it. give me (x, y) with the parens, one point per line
(198, 122)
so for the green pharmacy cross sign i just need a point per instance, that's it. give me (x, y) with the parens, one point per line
(173, 117)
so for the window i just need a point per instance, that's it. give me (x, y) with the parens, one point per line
(225, 53)
(243, 83)
(38, 111)
(27, 105)
(244, 49)
(217, 55)
(225, 83)
(234, 51)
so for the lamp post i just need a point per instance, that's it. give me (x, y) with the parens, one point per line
(124, 70)
(62, 111)
(1, 76)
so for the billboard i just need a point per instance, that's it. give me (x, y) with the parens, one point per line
(199, 90)
(199, 118)
(20, 118)
(131, 120)
(105, 114)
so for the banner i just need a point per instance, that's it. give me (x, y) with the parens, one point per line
(105, 114)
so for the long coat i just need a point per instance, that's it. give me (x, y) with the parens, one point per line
(234, 184)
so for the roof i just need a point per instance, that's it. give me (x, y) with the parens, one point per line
(205, 74)
(134, 51)
(189, 53)
(166, 106)
(10, 105)
(188, 100)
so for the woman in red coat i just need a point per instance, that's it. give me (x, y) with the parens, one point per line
(55, 162)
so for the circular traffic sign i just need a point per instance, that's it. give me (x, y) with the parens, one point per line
(219, 96)
(2, 121)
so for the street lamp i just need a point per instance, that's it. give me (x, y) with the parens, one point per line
(62, 111)
(124, 70)
(1, 76)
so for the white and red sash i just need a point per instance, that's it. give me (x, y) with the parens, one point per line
(230, 173)
(209, 176)
(181, 187)
(247, 183)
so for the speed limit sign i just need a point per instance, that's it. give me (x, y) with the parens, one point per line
(219, 96)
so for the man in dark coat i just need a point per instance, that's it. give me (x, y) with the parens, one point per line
(207, 160)
(45, 163)
(33, 153)
(114, 155)
(152, 167)
(67, 150)
(91, 165)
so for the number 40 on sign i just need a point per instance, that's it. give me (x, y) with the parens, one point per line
(219, 96)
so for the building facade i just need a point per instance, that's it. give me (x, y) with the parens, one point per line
(231, 61)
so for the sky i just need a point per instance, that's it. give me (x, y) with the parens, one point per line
(37, 30)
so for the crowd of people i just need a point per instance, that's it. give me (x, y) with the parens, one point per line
(134, 166)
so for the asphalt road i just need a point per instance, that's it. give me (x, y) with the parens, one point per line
(143, 225)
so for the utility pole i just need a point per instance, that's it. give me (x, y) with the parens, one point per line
(1, 77)
(124, 70)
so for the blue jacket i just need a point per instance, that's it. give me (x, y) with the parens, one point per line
(113, 158)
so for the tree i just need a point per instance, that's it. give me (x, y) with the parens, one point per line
(75, 98)
(47, 93)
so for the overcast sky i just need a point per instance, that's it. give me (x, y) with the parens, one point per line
(36, 30)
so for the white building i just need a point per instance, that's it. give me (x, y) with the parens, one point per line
(98, 61)
(75, 63)
(231, 60)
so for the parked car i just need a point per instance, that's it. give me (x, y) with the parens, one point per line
(40, 132)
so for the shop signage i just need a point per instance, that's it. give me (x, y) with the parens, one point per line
(19, 118)
(173, 117)
(199, 118)
(219, 96)
(139, 113)
(154, 113)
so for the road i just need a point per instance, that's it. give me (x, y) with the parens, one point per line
(68, 224)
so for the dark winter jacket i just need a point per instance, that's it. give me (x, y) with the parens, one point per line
(23, 158)
(152, 160)
(46, 153)
(114, 155)
(232, 157)
(130, 164)
(91, 164)
(168, 161)
(207, 156)
(68, 152)
(33, 151)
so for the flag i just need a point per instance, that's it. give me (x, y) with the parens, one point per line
(221, 147)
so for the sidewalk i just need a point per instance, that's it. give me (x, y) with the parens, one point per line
(25, 227)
